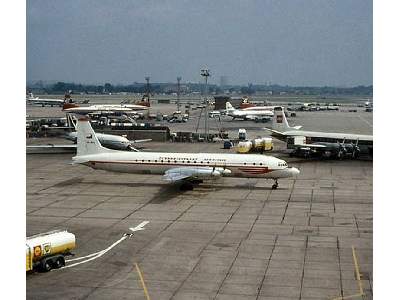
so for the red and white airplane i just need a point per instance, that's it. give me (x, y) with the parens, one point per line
(119, 108)
(186, 168)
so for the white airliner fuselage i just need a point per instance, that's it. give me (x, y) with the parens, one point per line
(39, 101)
(247, 113)
(121, 108)
(235, 165)
(177, 167)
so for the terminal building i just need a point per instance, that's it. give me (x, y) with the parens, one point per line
(220, 101)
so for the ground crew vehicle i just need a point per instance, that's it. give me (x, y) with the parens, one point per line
(267, 143)
(46, 251)
(256, 145)
(242, 134)
(244, 147)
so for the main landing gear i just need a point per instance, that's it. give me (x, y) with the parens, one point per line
(189, 185)
(275, 185)
(186, 186)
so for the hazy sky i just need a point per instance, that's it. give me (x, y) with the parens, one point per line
(294, 42)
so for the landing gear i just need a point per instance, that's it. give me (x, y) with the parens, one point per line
(186, 187)
(196, 181)
(275, 185)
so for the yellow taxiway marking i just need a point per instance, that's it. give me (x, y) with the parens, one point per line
(146, 293)
(357, 269)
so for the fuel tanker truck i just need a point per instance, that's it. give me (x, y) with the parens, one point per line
(256, 145)
(46, 251)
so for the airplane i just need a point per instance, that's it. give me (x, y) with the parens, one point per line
(327, 144)
(108, 108)
(43, 102)
(110, 141)
(185, 168)
(327, 149)
(249, 113)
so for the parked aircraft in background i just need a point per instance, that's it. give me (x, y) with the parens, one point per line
(107, 108)
(43, 102)
(249, 113)
(186, 168)
(110, 141)
(327, 144)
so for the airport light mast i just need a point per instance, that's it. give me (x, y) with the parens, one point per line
(147, 78)
(206, 73)
(178, 101)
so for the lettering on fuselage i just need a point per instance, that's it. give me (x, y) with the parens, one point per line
(192, 159)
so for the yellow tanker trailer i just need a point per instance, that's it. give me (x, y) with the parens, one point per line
(46, 251)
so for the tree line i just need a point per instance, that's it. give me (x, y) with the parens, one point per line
(169, 88)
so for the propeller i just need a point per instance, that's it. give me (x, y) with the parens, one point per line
(214, 172)
(342, 148)
(356, 149)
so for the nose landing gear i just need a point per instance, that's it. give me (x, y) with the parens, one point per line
(275, 185)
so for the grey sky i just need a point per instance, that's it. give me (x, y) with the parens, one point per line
(294, 42)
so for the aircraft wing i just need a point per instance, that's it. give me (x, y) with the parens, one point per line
(50, 148)
(187, 173)
(274, 131)
(175, 177)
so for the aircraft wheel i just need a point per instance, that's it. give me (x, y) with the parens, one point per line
(186, 187)
(275, 185)
(197, 181)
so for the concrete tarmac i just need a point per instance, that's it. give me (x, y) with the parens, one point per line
(228, 239)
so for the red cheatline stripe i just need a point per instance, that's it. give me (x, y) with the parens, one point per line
(244, 169)
(253, 168)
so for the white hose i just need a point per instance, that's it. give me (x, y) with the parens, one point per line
(95, 255)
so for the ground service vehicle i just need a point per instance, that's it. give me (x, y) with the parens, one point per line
(46, 251)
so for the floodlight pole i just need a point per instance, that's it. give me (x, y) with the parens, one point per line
(206, 73)
(178, 102)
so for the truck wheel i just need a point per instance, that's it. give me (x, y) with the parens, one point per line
(46, 265)
(59, 262)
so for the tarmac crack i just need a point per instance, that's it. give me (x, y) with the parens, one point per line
(266, 269)
(304, 263)
(358, 229)
(333, 197)
(311, 202)
(241, 241)
(166, 227)
(287, 204)
(340, 267)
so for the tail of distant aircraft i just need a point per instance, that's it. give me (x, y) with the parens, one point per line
(279, 121)
(87, 142)
(229, 106)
